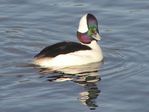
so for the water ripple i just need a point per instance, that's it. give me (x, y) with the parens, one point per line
(27, 26)
(122, 63)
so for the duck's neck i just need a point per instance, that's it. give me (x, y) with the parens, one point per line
(93, 45)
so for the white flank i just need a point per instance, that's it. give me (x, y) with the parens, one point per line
(83, 24)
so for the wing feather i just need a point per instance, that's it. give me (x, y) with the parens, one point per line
(61, 48)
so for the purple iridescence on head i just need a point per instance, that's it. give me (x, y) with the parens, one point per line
(91, 20)
(84, 38)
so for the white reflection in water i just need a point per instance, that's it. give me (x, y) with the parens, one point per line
(86, 76)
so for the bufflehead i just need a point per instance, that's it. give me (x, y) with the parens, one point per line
(67, 54)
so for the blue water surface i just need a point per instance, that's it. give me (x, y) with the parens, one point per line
(119, 85)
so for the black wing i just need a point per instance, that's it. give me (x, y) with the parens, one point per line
(61, 48)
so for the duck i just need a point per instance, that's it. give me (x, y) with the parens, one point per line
(67, 53)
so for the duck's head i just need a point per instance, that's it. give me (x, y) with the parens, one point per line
(88, 29)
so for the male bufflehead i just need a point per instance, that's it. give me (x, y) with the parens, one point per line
(67, 54)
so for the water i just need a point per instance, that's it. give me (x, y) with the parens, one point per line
(120, 85)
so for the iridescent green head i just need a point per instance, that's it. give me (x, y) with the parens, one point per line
(88, 29)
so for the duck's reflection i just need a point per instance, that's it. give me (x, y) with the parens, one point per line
(86, 76)
(89, 95)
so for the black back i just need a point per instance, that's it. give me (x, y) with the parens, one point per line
(61, 48)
